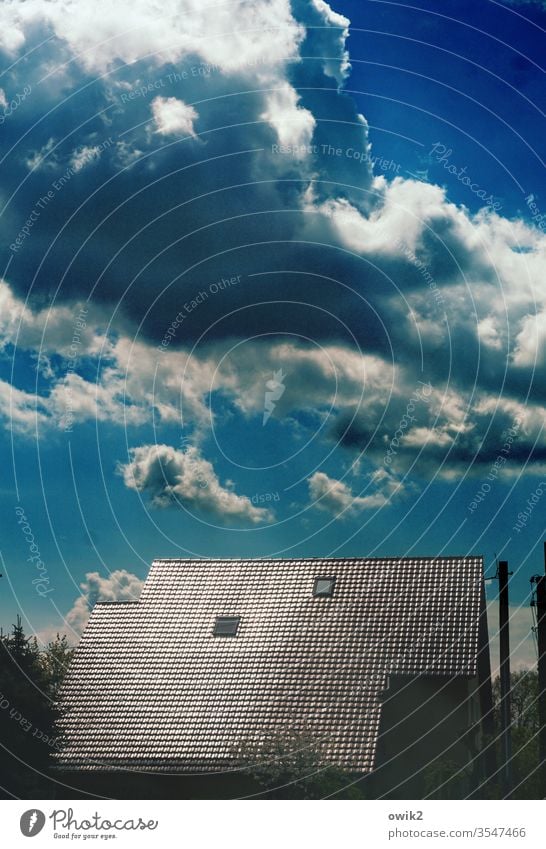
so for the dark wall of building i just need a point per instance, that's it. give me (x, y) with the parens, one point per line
(428, 737)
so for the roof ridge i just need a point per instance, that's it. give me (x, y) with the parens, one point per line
(431, 557)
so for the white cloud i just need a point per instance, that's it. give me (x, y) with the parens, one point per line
(185, 478)
(402, 212)
(120, 585)
(103, 33)
(84, 156)
(21, 411)
(3, 101)
(335, 497)
(530, 347)
(294, 126)
(134, 378)
(49, 633)
(42, 158)
(340, 31)
(412, 221)
(315, 378)
(74, 399)
(173, 117)
(481, 274)
(488, 333)
(50, 330)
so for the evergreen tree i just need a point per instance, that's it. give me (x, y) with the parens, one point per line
(29, 681)
(55, 660)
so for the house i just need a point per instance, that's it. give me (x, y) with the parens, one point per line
(386, 659)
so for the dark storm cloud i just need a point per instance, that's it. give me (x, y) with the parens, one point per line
(151, 218)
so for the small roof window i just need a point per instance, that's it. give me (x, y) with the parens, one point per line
(324, 587)
(226, 626)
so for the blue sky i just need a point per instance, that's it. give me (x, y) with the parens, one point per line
(268, 288)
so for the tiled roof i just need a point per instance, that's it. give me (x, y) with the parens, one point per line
(152, 688)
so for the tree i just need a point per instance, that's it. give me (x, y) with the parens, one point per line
(524, 722)
(55, 660)
(292, 764)
(29, 733)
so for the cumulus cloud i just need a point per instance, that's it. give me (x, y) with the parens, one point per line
(530, 349)
(134, 380)
(21, 411)
(120, 585)
(173, 117)
(184, 478)
(294, 126)
(336, 68)
(102, 33)
(428, 431)
(52, 329)
(320, 379)
(336, 497)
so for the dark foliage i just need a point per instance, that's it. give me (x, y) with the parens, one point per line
(446, 781)
(524, 715)
(29, 733)
(292, 764)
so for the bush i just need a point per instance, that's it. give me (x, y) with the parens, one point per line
(291, 764)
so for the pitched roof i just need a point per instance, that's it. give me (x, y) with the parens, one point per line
(151, 687)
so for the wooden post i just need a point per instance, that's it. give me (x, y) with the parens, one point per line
(541, 645)
(504, 644)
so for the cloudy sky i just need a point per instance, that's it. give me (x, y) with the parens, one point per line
(271, 284)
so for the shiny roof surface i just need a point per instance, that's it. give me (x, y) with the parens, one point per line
(152, 688)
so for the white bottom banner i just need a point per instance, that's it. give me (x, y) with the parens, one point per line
(268, 825)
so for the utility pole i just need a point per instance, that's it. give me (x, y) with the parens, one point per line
(504, 644)
(540, 604)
